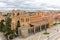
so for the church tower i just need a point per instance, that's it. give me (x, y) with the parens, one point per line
(15, 18)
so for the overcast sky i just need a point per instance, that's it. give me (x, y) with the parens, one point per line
(30, 4)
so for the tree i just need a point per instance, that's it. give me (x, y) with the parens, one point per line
(8, 22)
(7, 29)
(7, 26)
(1, 25)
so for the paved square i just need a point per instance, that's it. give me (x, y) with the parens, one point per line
(54, 34)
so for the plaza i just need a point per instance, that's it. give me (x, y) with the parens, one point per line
(54, 34)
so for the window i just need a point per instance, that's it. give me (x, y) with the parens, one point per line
(22, 20)
(17, 14)
(18, 23)
(27, 19)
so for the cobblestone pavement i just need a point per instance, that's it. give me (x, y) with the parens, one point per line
(54, 34)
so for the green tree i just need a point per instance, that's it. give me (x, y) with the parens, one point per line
(1, 25)
(8, 22)
(7, 25)
(7, 29)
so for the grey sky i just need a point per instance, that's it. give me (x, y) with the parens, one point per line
(30, 4)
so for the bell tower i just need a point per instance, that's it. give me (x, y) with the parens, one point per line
(15, 18)
(16, 13)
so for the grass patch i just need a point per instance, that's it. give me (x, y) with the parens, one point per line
(46, 33)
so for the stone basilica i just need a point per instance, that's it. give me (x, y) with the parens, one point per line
(31, 22)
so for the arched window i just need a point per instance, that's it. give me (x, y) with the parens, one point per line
(27, 19)
(22, 20)
(18, 23)
(17, 14)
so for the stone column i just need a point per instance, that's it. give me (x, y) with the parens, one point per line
(34, 29)
(40, 27)
(45, 27)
